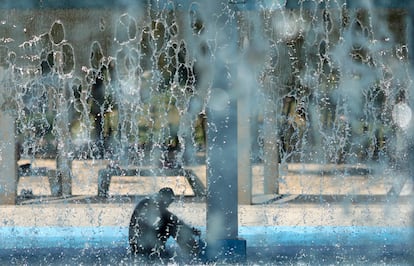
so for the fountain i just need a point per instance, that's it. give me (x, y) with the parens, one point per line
(308, 90)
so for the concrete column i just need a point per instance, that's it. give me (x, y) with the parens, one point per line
(270, 138)
(244, 149)
(8, 164)
(271, 148)
(274, 82)
(63, 161)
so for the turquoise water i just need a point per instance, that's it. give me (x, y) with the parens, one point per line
(265, 245)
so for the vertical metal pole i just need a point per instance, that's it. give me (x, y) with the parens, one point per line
(222, 165)
(222, 159)
(222, 172)
(8, 163)
(245, 84)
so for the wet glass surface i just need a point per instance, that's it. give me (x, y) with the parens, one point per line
(287, 126)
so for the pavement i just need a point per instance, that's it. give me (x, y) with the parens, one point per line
(323, 215)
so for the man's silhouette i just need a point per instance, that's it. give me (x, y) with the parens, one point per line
(152, 224)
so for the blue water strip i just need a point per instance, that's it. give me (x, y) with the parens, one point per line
(256, 236)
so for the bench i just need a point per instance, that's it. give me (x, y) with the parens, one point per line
(105, 175)
(55, 179)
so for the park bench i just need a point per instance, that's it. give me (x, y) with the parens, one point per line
(105, 175)
(54, 178)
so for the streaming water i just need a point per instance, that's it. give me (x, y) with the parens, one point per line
(326, 90)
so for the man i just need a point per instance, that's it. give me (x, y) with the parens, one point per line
(152, 224)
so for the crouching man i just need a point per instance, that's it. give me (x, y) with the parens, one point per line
(152, 224)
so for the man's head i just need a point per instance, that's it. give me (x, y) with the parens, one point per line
(165, 197)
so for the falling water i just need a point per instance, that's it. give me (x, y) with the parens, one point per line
(325, 89)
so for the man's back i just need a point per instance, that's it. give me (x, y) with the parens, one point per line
(143, 236)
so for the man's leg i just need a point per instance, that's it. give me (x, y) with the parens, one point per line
(186, 240)
(143, 239)
(183, 234)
